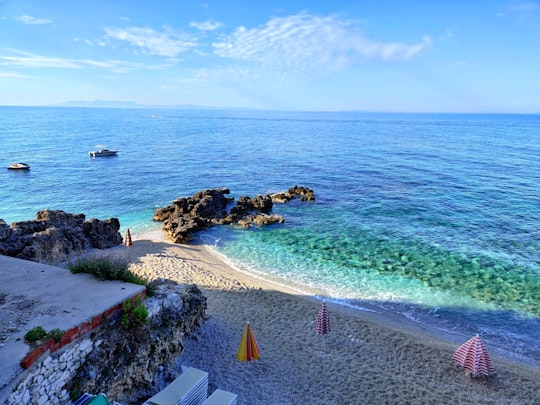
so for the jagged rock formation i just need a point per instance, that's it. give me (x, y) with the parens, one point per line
(128, 364)
(56, 236)
(189, 214)
(207, 208)
(304, 193)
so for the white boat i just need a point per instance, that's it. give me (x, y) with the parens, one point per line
(19, 166)
(102, 152)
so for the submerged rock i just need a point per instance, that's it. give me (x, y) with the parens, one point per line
(304, 193)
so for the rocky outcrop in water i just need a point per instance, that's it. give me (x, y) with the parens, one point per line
(207, 208)
(56, 236)
(303, 193)
(187, 215)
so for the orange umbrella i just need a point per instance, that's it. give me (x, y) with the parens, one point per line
(248, 349)
(128, 241)
(473, 356)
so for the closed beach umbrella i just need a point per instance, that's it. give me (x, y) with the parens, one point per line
(473, 356)
(128, 241)
(248, 349)
(323, 321)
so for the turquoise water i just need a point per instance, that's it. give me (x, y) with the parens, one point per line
(433, 216)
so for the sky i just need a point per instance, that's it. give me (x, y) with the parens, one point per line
(470, 56)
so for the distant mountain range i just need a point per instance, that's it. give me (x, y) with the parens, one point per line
(100, 103)
(131, 104)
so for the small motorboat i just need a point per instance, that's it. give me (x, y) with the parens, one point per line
(102, 152)
(18, 166)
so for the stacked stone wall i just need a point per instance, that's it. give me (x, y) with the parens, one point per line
(76, 332)
(47, 380)
(100, 356)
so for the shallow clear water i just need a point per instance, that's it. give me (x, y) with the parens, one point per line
(436, 217)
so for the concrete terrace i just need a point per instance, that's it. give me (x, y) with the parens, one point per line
(33, 294)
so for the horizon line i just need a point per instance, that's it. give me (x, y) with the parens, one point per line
(135, 105)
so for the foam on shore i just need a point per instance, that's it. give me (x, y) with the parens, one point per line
(368, 357)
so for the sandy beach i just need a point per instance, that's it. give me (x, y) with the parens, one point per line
(367, 358)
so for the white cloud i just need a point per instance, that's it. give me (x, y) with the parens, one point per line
(29, 60)
(391, 50)
(228, 73)
(530, 7)
(205, 25)
(21, 59)
(32, 20)
(9, 75)
(152, 42)
(521, 12)
(86, 41)
(99, 64)
(167, 88)
(309, 44)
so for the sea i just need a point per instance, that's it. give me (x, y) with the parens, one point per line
(434, 218)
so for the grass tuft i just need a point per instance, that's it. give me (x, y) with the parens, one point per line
(109, 269)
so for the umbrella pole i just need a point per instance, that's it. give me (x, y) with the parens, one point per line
(324, 343)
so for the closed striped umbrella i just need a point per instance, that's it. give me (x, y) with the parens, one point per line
(128, 242)
(323, 321)
(473, 356)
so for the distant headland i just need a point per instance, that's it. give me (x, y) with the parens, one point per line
(132, 104)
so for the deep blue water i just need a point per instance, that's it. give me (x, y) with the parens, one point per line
(433, 216)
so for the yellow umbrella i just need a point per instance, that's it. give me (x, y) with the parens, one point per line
(248, 349)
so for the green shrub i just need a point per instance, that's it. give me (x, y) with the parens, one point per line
(134, 314)
(102, 268)
(56, 334)
(75, 389)
(35, 334)
(151, 289)
(38, 334)
(140, 314)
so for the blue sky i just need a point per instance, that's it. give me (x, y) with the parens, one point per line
(410, 56)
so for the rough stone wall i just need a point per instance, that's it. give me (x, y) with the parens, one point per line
(124, 364)
(46, 381)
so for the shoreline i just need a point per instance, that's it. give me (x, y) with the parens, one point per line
(369, 309)
(368, 357)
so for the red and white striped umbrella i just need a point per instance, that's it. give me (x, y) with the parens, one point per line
(473, 356)
(323, 321)
(128, 242)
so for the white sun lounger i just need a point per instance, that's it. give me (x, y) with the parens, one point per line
(190, 388)
(220, 397)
